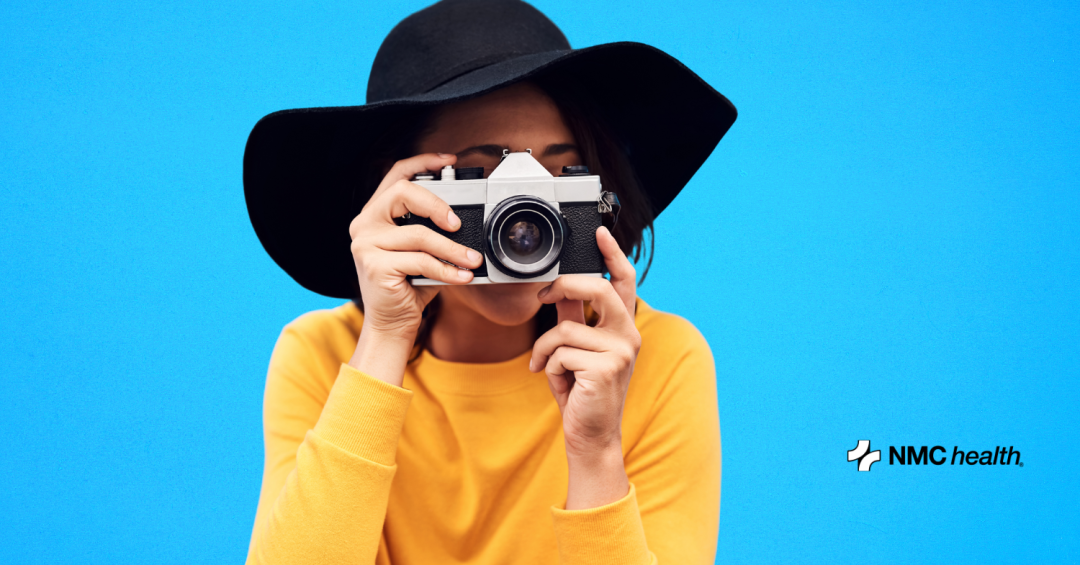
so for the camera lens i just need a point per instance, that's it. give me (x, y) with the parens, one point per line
(524, 236)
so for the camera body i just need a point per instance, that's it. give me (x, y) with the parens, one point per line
(529, 225)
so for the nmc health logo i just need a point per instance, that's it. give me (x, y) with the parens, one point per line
(936, 455)
(863, 455)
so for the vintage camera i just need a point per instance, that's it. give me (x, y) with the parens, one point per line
(530, 226)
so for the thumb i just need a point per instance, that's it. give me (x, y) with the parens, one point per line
(426, 293)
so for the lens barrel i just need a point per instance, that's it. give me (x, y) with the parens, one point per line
(524, 236)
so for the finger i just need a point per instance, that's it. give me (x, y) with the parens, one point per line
(567, 360)
(406, 169)
(560, 387)
(623, 275)
(571, 310)
(599, 292)
(420, 238)
(560, 379)
(406, 197)
(424, 265)
(567, 333)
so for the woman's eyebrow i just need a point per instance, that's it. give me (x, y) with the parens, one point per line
(559, 149)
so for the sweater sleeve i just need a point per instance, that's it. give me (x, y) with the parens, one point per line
(330, 460)
(672, 512)
(609, 534)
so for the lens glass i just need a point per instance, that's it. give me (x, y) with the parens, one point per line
(525, 237)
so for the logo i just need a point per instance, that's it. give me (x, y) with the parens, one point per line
(909, 455)
(863, 455)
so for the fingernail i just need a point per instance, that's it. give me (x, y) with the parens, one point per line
(444, 155)
(464, 274)
(530, 365)
(543, 291)
(473, 255)
(452, 219)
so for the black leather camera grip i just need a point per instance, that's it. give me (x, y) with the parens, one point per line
(470, 234)
(580, 252)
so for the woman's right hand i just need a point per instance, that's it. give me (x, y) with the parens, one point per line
(385, 253)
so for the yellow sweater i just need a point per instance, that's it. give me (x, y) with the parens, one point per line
(465, 463)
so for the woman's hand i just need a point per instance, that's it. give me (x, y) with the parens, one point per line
(589, 370)
(386, 253)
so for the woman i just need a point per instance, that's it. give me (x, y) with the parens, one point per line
(490, 423)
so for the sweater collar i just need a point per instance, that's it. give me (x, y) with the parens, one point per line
(475, 379)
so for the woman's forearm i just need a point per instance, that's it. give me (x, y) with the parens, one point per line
(382, 356)
(330, 462)
(596, 478)
(601, 522)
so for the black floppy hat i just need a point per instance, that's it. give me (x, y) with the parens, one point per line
(305, 172)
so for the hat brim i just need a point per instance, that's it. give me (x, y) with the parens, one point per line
(304, 169)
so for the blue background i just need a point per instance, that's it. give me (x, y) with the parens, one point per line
(884, 247)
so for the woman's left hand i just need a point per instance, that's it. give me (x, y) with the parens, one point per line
(588, 370)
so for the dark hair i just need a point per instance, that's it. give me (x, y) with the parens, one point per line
(599, 149)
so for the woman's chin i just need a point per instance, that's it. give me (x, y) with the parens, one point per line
(503, 304)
